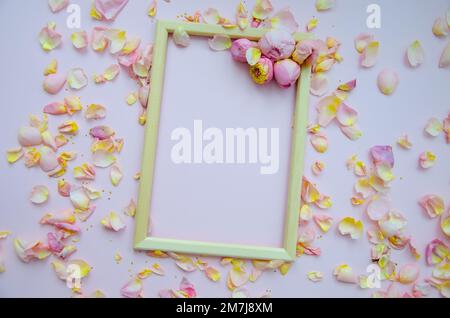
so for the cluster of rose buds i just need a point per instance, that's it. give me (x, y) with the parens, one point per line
(276, 55)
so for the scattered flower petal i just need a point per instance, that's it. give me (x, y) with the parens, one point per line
(344, 273)
(57, 5)
(445, 57)
(79, 39)
(349, 225)
(427, 159)
(77, 79)
(370, 54)
(434, 127)
(53, 83)
(181, 37)
(220, 42)
(49, 37)
(95, 112)
(113, 222)
(387, 81)
(133, 289)
(115, 174)
(39, 194)
(408, 274)
(415, 54)
(433, 205)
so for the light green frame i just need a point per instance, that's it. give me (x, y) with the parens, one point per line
(142, 241)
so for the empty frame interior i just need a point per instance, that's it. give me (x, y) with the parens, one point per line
(223, 209)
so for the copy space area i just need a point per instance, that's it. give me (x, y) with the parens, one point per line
(220, 202)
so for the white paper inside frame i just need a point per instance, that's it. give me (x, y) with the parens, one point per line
(213, 202)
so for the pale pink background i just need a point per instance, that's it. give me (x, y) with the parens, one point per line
(423, 93)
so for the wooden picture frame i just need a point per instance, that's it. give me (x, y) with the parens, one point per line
(142, 240)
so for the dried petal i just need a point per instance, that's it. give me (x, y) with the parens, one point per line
(317, 167)
(79, 39)
(102, 132)
(346, 115)
(115, 174)
(404, 142)
(242, 18)
(111, 72)
(344, 273)
(319, 84)
(436, 252)
(49, 37)
(433, 205)
(315, 276)
(29, 136)
(51, 68)
(73, 104)
(107, 9)
(48, 159)
(12, 155)
(181, 37)
(319, 142)
(212, 273)
(252, 55)
(434, 127)
(392, 224)
(324, 221)
(77, 79)
(99, 40)
(57, 5)
(39, 194)
(113, 222)
(220, 42)
(262, 9)
(69, 127)
(327, 109)
(79, 199)
(415, 54)
(378, 207)
(349, 225)
(95, 112)
(130, 210)
(53, 83)
(370, 54)
(85, 172)
(445, 223)
(408, 274)
(347, 87)
(351, 132)
(427, 159)
(133, 289)
(444, 61)
(152, 9)
(30, 252)
(323, 5)
(362, 41)
(283, 19)
(56, 108)
(440, 27)
(117, 39)
(387, 81)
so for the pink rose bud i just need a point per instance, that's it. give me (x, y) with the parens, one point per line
(286, 72)
(262, 72)
(277, 44)
(239, 48)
